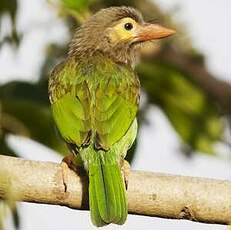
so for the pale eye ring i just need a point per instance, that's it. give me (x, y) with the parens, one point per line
(128, 26)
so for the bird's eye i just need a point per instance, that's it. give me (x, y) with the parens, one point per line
(128, 26)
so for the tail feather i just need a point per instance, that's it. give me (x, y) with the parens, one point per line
(118, 191)
(111, 198)
(108, 203)
(97, 191)
(123, 198)
(95, 216)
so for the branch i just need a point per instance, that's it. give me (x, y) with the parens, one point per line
(217, 89)
(153, 194)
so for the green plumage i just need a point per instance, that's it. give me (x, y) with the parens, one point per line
(94, 104)
(94, 97)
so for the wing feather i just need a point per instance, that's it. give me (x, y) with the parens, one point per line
(102, 102)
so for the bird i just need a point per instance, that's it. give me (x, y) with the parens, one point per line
(94, 95)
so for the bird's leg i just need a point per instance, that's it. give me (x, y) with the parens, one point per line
(71, 161)
(125, 168)
(68, 161)
(65, 165)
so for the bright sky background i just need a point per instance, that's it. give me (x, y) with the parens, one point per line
(208, 24)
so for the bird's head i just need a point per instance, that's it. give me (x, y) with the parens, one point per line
(116, 32)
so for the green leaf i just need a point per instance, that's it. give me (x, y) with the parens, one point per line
(194, 117)
(32, 120)
(77, 5)
(15, 90)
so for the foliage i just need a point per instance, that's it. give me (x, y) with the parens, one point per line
(8, 206)
(190, 112)
(25, 108)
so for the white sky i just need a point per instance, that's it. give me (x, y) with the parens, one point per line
(42, 26)
(208, 23)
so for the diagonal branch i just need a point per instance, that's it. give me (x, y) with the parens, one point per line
(218, 90)
(153, 194)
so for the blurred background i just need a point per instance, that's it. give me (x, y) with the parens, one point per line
(184, 119)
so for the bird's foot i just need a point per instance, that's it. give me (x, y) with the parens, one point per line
(72, 162)
(125, 171)
(68, 162)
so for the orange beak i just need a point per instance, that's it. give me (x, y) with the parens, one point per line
(152, 31)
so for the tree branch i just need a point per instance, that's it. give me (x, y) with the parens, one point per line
(217, 89)
(153, 194)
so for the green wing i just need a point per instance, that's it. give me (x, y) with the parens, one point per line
(116, 106)
(70, 104)
(97, 105)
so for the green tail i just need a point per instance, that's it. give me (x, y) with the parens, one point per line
(107, 196)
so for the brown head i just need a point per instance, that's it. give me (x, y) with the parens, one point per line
(115, 32)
